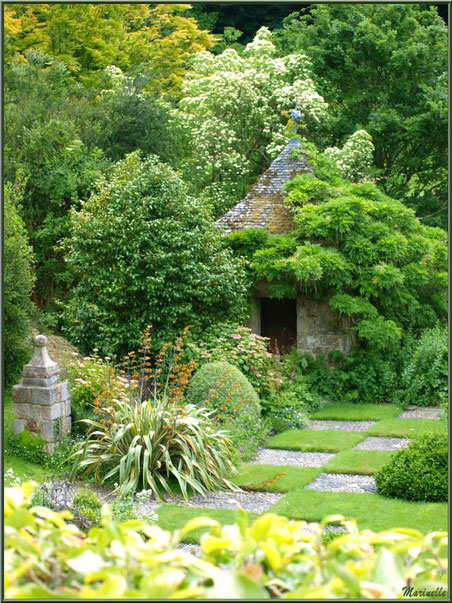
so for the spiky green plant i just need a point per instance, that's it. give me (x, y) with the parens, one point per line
(156, 443)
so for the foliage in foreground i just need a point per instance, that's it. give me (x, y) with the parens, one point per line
(272, 558)
(153, 443)
(222, 388)
(419, 472)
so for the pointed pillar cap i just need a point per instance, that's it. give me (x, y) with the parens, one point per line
(41, 366)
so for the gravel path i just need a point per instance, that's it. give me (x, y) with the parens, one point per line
(256, 502)
(340, 482)
(374, 443)
(273, 456)
(420, 413)
(342, 425)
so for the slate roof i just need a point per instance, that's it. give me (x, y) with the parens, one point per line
(263, 206)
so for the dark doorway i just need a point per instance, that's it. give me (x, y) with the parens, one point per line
(279, 322)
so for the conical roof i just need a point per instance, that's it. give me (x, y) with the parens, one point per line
(263, 207)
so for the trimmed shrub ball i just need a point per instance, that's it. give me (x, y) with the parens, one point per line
(221, 387)
(417, 473)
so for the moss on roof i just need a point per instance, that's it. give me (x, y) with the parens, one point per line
(263, 207)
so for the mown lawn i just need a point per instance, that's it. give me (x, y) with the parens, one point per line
(371, 511)
(359, 462)
(285, 477)
(407, 428)
(343, 411)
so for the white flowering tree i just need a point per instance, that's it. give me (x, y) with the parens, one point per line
(235, 113)
(355, 159)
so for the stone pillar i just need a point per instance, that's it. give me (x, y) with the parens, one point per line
(41, 402)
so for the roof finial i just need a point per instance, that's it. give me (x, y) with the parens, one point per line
(295, 116)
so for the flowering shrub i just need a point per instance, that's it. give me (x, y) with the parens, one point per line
(95, 387)
(222, 387)
(237, 345)
(273, 557)
(354, 160)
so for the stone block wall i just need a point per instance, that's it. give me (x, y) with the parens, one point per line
(320, 329)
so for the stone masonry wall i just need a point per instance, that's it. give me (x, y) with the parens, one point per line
(320, 329)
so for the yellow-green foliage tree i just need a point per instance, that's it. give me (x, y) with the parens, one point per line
(89, 37)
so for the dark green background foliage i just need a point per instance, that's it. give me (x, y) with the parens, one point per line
(144, 253)
(417, 473)
(384, 68)
(17, 287)
(221, 387)
(365, 253)
(425, 372)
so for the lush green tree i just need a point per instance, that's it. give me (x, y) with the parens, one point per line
(234, 115)
(123, 118)
(144, 252)
(368, 255)
(383, 68)
(17, 285)
(43, 141)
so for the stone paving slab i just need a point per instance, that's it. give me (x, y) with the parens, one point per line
(420, 413)
(342, 425)
(341, 482)
(375, 443)
(256, 502)
(273, 456)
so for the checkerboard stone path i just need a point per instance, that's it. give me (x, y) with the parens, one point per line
(375, 443)
(270, 456)
(341, 425)
(325, 482)
(340, 482)
(416, 412)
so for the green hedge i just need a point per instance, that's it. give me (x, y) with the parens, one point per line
(417, 473)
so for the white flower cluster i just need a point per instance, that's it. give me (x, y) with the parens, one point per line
(13, 479)
(119, 82)
(355, 158)
(236, 108)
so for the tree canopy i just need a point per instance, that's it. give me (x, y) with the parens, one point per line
(383, 67)
(145, 252)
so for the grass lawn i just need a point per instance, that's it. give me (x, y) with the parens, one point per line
(343, 411)
(360, 462)
(26, 470)
(371, 511)
(295, 477)
(315, 441)
(399, 428)
(173, 517)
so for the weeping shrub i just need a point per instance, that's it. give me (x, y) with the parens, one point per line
(155, 443)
